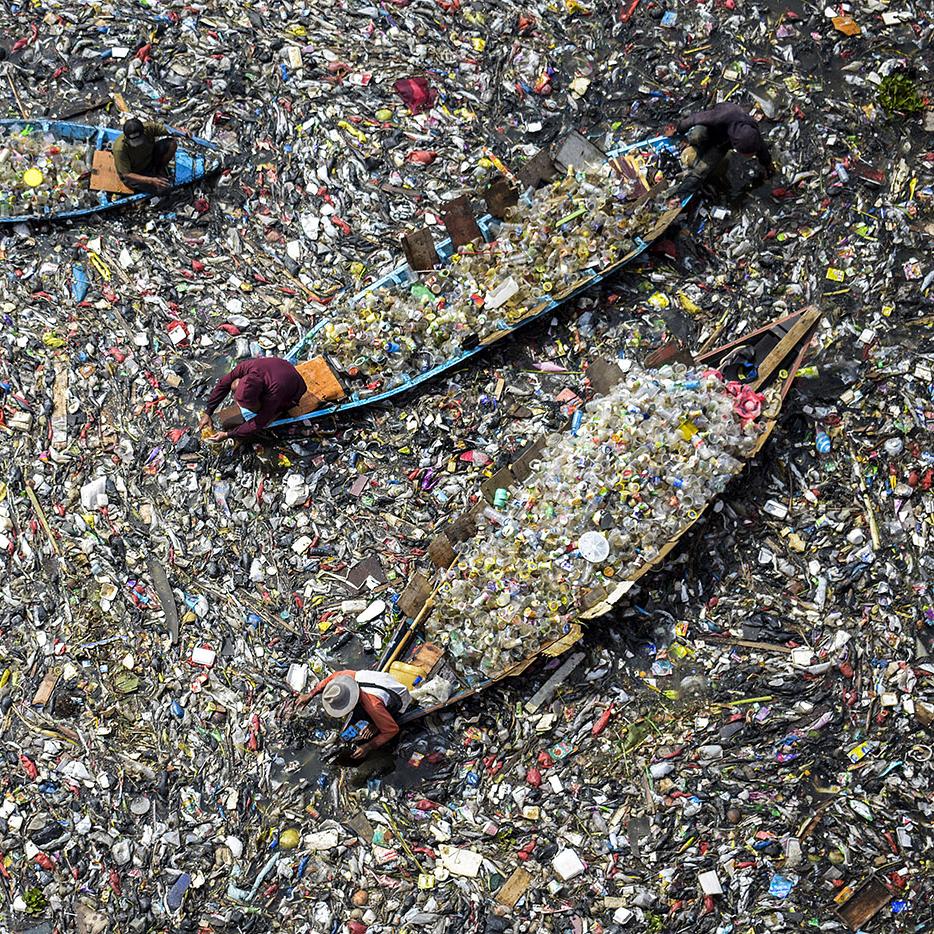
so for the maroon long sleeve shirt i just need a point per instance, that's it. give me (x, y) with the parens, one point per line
(268, 386)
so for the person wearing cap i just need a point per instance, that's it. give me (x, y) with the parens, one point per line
(263, 387)
(712, 135)
(369, 695)
(142, 154)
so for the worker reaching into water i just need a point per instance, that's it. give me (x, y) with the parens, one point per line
(374, 699)
(712, 136)
(142, 154)
(264, 388)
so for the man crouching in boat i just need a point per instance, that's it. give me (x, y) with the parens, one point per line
(264, 389)
(369, 700)
(142, 154)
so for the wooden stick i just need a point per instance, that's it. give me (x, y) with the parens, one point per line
(867, 502)
(19, 103)
(422, 613)
(40, 515)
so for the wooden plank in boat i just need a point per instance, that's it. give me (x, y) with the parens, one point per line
(441, 553)
(104, 174)
(521, 466)
(502, 194)
(461, 528)
(603, 375)
(323, 386)
(415, 595)
(625, 168)
(540, 168)
(459, 221)
(579, 152)
(502, 479)
(426, 656)
(419, 249)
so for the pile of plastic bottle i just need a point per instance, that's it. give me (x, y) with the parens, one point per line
(600, 503)
(555, 237)
(40, 174)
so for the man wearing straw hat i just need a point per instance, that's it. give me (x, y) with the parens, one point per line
(373, 696)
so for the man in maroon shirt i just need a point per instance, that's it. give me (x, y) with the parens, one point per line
(264, 388)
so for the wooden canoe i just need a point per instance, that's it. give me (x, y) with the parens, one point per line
(770, 358)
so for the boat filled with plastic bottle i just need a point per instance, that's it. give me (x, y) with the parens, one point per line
(555, 239)
(53, 170)
(40, 172)
(601, 501)
(569, 528)
(583, 220)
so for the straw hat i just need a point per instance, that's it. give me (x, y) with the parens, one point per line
(340, 696)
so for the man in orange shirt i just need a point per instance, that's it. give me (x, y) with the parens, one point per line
(368, 695)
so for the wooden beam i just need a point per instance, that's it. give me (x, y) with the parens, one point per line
(419, 249)
(459, 221)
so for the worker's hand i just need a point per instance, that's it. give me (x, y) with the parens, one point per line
(367, 733)
(205, 422)
(218, 436)
(359, 753)
(159, 183)
(671, 129)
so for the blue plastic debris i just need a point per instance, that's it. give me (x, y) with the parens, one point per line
(177, 893)
(79, 282)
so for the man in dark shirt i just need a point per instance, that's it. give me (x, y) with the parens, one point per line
(264, 388)
(713, 134)
(142, 154)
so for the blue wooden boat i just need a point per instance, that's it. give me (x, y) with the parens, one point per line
(404, 276)
(190, 163)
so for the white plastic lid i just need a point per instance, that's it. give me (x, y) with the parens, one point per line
(593, 546)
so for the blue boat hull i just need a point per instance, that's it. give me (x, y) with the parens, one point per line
(189, 166)
(403, 275)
